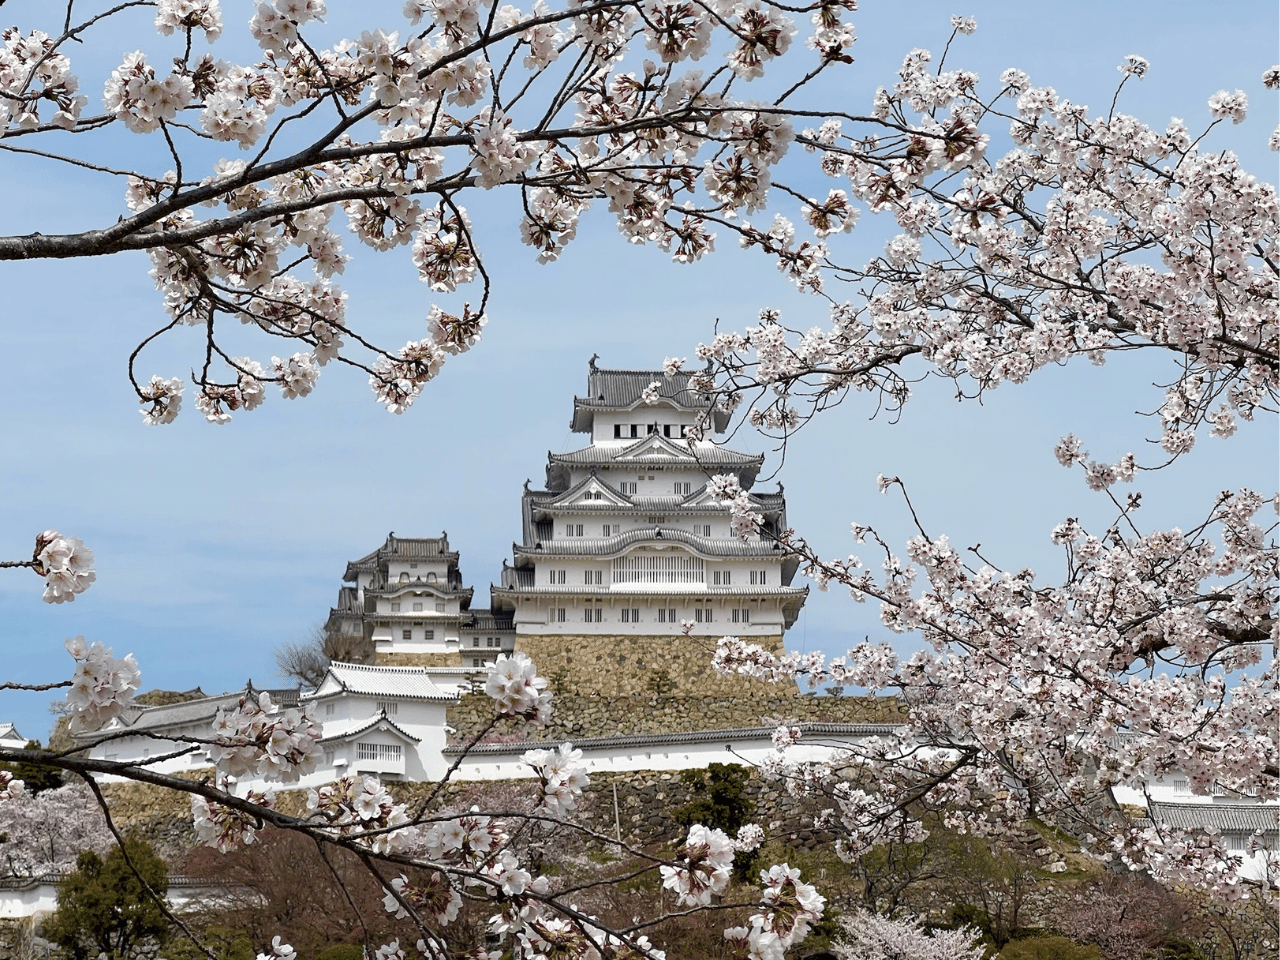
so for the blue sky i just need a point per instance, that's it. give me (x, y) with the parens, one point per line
(217, 544)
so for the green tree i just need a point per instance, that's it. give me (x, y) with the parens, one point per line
(103, 907)
(36, 777)
(720, 802)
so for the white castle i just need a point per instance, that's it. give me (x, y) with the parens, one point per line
(623, 550)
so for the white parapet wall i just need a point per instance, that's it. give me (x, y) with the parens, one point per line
(670, 751)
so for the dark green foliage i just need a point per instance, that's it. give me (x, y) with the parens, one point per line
(718, 798)
(1048, 948)
(104, 908)
(35, 776)
(719, 802)
(1179, 949)
(341, 951)
(227, 943)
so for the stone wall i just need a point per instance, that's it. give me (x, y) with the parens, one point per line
(160, 816)
(646, 802)
(417, 660)
(575, 716)
(629, 666)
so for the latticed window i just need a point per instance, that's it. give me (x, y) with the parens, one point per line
(659, 568)
(377, 751)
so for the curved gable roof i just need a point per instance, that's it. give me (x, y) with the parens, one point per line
(623, 389)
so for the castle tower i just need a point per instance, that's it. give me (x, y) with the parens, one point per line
(627, 571)
(408, 600)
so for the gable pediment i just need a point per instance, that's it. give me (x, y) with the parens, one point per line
(654, 447)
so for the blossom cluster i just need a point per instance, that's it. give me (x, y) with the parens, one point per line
(102, 686)
(1090, 713)
(517, 690)
(66, 565)
(256, 738)
(224, 828)
(560, 776)
(361, 808)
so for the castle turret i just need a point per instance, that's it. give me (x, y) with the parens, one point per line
(408, 599)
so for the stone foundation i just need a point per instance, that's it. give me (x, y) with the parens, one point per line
(620, 666)
(417, 660)
(574, 716)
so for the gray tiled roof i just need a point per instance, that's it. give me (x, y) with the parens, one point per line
(517, 577)
(483, 619)
(693, 736)
(702, 454)
(402, 548)
(341, 729)
(607, 546)
(622, 389)
(1223, 817)
(719, 459)
(378, 681)
(179, 714)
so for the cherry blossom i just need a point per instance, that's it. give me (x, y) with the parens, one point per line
(257, 738)
(66, 565)
(562, 778)
(704, 868)
(225, 828)
(868, 936)
(361, 808)
(517, 690)
(102, 686)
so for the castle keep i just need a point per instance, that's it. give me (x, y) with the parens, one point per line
(625, 572)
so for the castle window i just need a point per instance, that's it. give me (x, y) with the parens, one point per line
(406, 634)
(593, 578)
(651, 429)
(635, 430)
(556, 576)
(722, 578)
(742, 615)
(573, 530)
(417, 608)
(606, 530)
(630, 614)
(682, 488)
(706, 529)
(377, 751)
(328, 709)
(477, 663)
(439, 608)
(617, 431)
(659, 568)
(592, 615)
(413, 564)
(428, 635)
(628, 488)
(395, 606)
(701, 615)
(666, 615)
(684, 430)
(475, 641)
(389, 707)
(559, 615)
